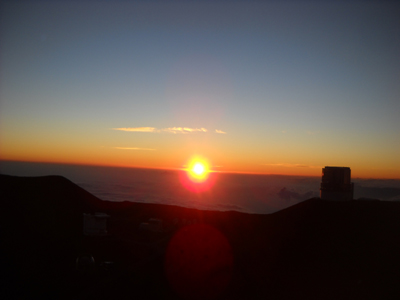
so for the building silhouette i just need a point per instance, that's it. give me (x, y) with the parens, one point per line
(336, 184)
(95, 224)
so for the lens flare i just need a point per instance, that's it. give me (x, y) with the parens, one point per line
(199, 262)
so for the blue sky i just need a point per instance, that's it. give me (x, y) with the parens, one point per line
(290, 83)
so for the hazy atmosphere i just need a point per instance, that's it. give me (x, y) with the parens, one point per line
(271, 88)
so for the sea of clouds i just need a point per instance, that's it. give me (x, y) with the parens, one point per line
(239, 192)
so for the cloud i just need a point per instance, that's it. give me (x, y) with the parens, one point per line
(183, 130)
(170, 129)
(135, 148)
(138, 129)
(382, 193)
(288, 195)
(220, 131)
(293, 166)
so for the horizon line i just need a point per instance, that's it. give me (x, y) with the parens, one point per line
(178, 169)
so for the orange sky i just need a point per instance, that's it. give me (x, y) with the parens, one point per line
(256, 86)
(147, 159)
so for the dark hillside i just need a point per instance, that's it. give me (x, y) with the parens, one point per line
(41, 229)
(313, 250)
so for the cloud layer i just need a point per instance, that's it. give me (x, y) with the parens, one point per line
(289, 194)
(174, 130)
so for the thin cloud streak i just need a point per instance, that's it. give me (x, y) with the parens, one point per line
(128, 148)
(220, 131)
(183, 130)
(137, 129)
(169, 129)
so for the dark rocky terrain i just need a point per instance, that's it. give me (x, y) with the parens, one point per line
(313, 250)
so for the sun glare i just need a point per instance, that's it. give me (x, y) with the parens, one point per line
(197, 176)
(198, 170)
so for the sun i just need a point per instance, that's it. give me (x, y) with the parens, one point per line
(198, 170)
(197, 175)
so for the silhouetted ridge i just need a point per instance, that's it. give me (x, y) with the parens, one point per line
(41, 228)
(317, 249)
(48, 189)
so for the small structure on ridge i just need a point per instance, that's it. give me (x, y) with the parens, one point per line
(336, 184)
(95, 224)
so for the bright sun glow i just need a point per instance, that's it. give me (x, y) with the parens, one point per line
(197, 176)
(198, 170)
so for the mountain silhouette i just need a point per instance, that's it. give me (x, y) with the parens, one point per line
(313, 250)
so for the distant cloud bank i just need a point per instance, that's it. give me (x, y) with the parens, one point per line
(174, 130)
(290, 194)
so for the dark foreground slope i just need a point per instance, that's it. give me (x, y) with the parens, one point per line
(314, 250)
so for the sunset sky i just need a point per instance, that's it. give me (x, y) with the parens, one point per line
(266, 87)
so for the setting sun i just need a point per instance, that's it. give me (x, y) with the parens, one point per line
(197, 176)
(197, 169)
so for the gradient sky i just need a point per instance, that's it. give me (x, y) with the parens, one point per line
(271, 87)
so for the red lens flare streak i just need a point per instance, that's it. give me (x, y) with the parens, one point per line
(199, 262)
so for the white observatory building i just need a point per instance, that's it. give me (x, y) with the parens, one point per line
(336, 184)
